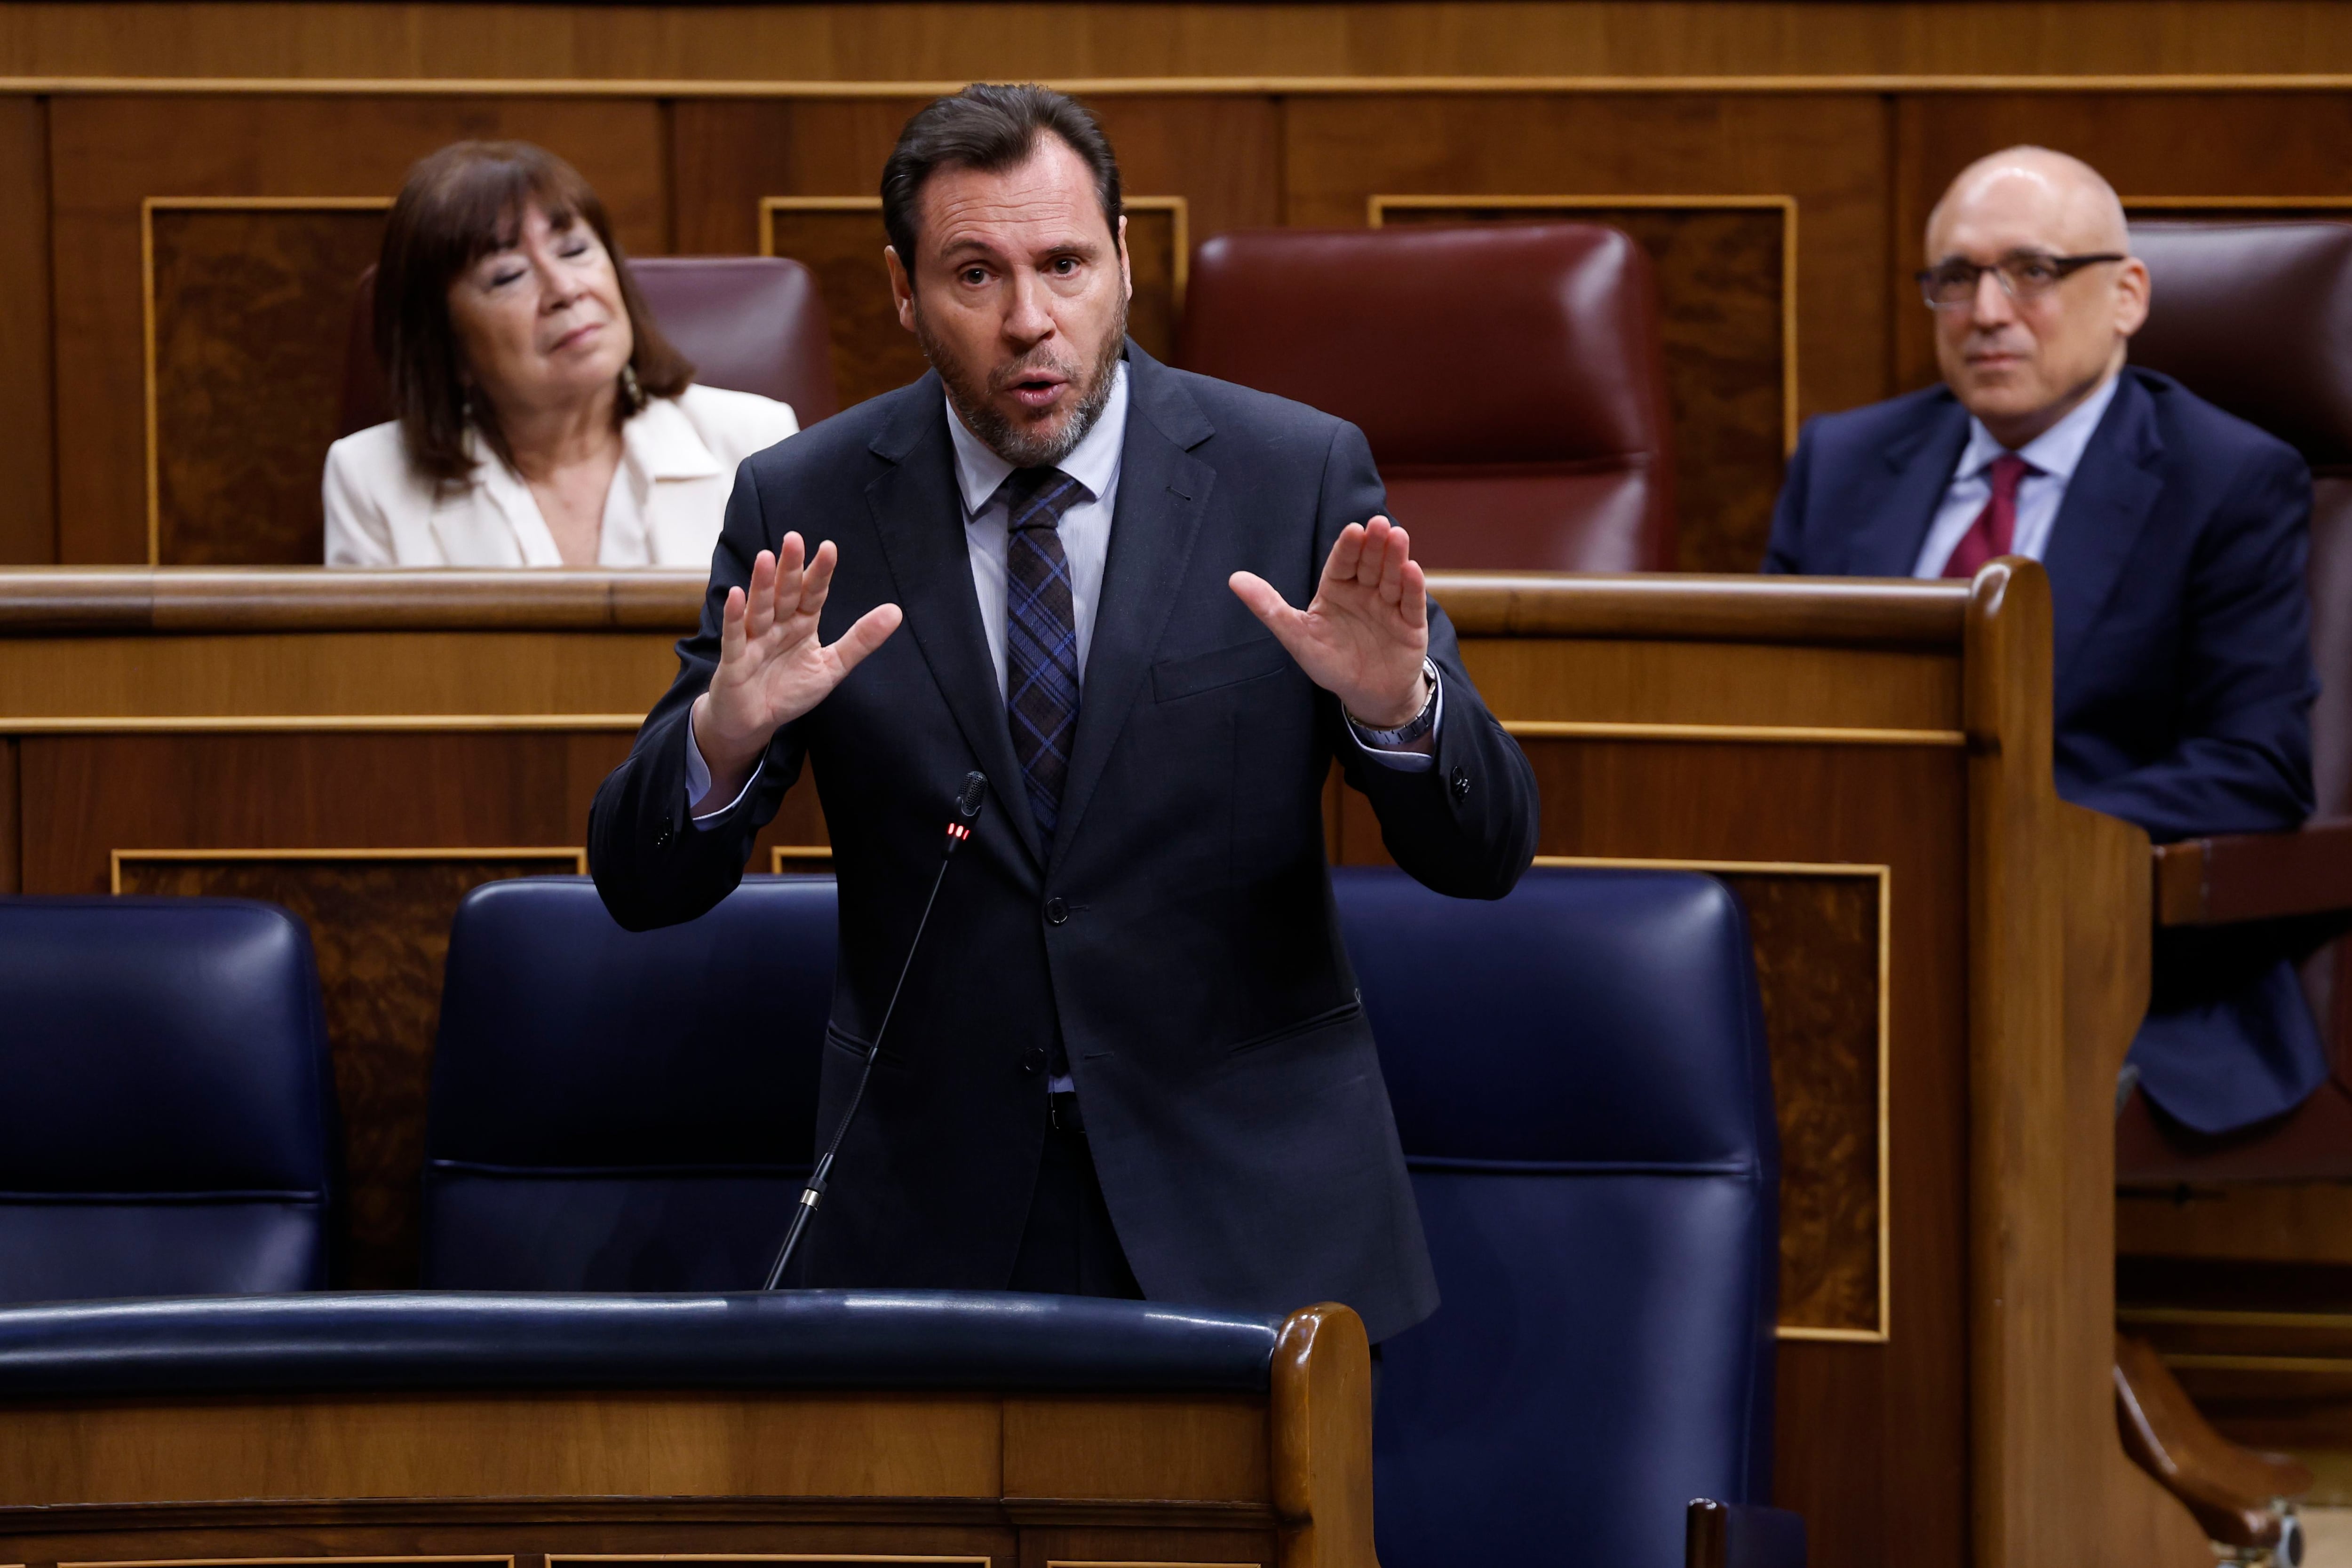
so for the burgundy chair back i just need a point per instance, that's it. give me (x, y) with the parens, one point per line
(749, 323)
(1507, 376)
(2257, 317)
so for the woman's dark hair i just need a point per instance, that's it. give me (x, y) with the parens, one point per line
(989, 128)
(458, 205)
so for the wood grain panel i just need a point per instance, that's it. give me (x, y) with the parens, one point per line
(28, 513)
(944, 41)
(382, 673)
(1569, 680)
(841, 239)
(460, 1446)
(108, 155)
(2277, 145)
(1137, 1447)
(1721, 298)
(250, 310)
(381, 930)
(1828, 152)
(1817, 966)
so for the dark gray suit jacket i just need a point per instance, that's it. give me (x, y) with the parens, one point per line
(1180, 935)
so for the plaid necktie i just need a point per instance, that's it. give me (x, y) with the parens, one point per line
(1995, 528)
(1040, 635)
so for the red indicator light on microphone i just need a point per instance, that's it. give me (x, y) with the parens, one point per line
(958, 832)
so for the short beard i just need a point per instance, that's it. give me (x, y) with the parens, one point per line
(1023, 448)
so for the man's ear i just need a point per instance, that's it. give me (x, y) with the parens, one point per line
(902, 287)
(2133, 290)
(1126, 273)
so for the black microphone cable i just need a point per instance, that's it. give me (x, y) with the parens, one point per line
(973, 796)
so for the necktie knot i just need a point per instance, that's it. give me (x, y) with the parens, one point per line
(1037, 497)
(2007, 471)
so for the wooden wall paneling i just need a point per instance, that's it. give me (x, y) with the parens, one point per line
(110, 155)
(248, 302)
(28, 513)
(841, 239)
(1827, 153)
(2275, 145)
(378, 922)
(1725, 271)
(724, 155)
(941, 41)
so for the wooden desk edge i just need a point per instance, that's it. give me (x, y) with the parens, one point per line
(131, 601)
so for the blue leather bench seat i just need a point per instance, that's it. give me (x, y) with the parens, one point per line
(459, 1340)
(166, 1103)
(1585, 1103)
(624, 1112)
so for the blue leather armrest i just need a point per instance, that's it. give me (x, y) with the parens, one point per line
(791, 1339)
(1743, 1535)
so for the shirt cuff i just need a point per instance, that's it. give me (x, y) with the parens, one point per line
(1388, 756)
(698, 782)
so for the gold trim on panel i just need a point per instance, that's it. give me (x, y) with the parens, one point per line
(1181, 262)
(148, 208)
(2226, 1318)
(555, 1557)
(1117, 87)
(1154, 1563)
(579, 858)
(779, 853)
(1738, 734)
(303, 723)
(1885, 875)
(1378, 207)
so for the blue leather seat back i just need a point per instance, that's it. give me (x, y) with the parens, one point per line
(1585, 1102)
(166, 1099)
(617, 1110)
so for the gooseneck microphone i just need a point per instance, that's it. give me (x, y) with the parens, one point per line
(969, 800)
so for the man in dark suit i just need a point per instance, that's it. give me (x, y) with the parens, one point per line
(2174, 536)
(1130, 1059)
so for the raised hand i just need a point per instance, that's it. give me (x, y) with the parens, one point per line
(1365, 635)
(771, 668)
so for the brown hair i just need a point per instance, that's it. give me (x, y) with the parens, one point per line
(989, 127)
(458, 205)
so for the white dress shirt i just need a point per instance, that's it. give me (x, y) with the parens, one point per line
(1086, 545)
(2057, 452)
(668, 499)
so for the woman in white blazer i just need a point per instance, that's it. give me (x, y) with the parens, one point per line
(541, 418)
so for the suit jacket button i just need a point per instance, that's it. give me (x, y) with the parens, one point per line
(1056, 912)
(1032, 1060)
(661, 840)
(1461, 783)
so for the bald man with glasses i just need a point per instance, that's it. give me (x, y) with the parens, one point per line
(2174, 536)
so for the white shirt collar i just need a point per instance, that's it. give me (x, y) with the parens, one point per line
(2057, 451)
(658, 441)
(1093, 462)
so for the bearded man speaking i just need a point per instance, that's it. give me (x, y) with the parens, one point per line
(1129, 1058)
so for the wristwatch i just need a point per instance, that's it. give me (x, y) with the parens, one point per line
(1414, 728)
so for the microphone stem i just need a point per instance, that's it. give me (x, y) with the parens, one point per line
(813, 1193)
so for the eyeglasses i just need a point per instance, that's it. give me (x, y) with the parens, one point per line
(2024, 274)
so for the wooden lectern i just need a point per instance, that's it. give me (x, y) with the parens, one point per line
(818, 1427)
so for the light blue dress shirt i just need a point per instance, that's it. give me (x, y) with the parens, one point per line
(2057, 451)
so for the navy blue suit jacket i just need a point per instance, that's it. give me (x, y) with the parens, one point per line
(2181, 633)
(1178, 930)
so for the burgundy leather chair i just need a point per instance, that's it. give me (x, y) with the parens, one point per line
(749, 323)
(1507, 376)
(2257, 317)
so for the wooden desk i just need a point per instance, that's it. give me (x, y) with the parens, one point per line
(1953, 960)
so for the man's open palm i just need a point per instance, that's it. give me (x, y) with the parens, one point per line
(1365, 635)
(771, 667)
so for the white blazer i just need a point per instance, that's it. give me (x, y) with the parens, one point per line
(668, 495)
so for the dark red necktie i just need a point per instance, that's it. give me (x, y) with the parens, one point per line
(1996, 527)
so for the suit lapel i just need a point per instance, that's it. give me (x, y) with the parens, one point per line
(1162, 492)
(2107, 505)
(920, 517)
(1919, 469)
